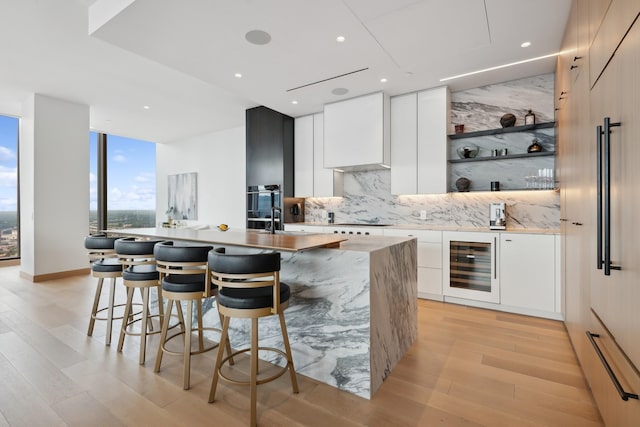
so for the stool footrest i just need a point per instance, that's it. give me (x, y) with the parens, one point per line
(96, 317)
(177, 334)
(260, 380)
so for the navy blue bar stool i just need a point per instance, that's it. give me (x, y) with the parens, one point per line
(249, 287)
(139, 272)
(104, 265)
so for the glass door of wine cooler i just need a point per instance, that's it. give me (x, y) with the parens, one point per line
(470, 266)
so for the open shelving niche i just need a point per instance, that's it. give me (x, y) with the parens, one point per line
(513, 169)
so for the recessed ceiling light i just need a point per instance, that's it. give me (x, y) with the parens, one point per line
(340, 39)
(501, 66)
(238, 75)
(146, 107)
(294, 102)
(258, 37)
(340, 91)
(383, 80)
(525, 44)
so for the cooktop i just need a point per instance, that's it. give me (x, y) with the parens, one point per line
(361, 224)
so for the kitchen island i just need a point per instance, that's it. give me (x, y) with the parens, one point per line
(353, 308)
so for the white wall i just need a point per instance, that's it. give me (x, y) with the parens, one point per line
(54, 185)
(219, 158)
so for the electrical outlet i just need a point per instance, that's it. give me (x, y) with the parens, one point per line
(423, 215)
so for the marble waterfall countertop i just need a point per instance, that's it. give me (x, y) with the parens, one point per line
(281, 241)
(353, 309)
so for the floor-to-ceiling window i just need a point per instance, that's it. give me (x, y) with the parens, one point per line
(130, 186)
(9, 218)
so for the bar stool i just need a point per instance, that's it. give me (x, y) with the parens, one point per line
(183, 277)
(103, 265)
(249, 287)
(139, 272)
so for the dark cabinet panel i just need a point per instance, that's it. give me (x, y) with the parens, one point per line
(269, 149)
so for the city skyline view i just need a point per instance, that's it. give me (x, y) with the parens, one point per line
(8, 163)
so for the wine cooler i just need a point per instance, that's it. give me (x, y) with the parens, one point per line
(470, 266)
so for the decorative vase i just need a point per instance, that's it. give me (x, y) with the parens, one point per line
(508, 120)
(535, 147)
(463, 184)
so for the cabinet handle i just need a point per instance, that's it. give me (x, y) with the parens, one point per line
(603, 190)
(575, 58)
(576, 223)
(572, 67)
(564, 219)
(471, 256)
(507, 240)
(624, 395)
(495, 258)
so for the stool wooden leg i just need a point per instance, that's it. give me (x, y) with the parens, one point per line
(180, 315)
(143, 324)
(125, 318)
(160, 304)
(216, 368)
(187, 347)
(254, 369)
(94, 310)
(228, 346)
(200, 331)
(163, 335)
(112, 296)
(285, 338)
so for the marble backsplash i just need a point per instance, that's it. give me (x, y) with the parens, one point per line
(368, 200)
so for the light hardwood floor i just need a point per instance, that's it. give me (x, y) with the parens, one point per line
(469, 367)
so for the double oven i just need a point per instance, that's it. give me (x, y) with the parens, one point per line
(263, 202)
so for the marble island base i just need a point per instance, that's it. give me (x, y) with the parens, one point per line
(352, 314)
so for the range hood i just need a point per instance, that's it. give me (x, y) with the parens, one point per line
(357, 133)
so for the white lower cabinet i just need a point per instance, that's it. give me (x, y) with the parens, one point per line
(527, 271)
(429, 260)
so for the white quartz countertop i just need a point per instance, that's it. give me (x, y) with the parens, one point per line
(433, 227)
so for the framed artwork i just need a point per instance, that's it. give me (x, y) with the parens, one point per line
(183, 196)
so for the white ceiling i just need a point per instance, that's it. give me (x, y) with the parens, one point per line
(180, 57)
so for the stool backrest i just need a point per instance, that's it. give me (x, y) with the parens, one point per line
(131, 251)
(171, 259)
(246, 271)
(99, 246)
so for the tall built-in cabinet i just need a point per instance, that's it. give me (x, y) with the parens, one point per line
(597, 78)
(311, 178)
(419, 124)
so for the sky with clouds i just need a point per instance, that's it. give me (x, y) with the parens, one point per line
(8, 163)
(131, 177)
(131, 170)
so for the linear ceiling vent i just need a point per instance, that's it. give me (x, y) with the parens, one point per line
(328, 79)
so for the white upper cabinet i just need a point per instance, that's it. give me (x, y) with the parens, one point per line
(326, 182)
(311, 178)
(419, 124)
(356, 133)
(404, 144)
(303, 156)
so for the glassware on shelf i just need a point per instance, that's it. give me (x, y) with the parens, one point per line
(541, 179)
